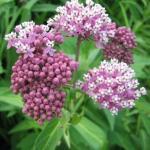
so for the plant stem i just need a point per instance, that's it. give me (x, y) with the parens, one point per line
(77, 54)
(77, 106)
(78, 48)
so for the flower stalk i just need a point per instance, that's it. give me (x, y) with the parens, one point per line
(79, 41)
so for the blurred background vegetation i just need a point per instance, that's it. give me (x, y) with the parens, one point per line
(97, 129)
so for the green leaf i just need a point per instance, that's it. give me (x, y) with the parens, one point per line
(11, 113)
(24, 125)
(4, 90)
(123, 9)
(67, 138)
(11, 99)
(110, 118)
(68, 46)
(49, 138)
(25, 15)
(93, 135)
(15, 14)
(140, 61)
(30, 4)
(133, 4)
(87, 47)
(122, 139)
(93, 112)
(26, 10)
(1, 69)
(144, 2)
(143, 106)
(146, 122)
(27, 142)
(144, 140)
(5, 1)
(78, 142)
(5, 107)
(44, 8)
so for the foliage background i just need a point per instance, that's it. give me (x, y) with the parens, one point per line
(97, 129)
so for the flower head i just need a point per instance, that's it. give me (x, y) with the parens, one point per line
(125, 37)
(121, 45)
(38, 80)
(113, 85)
(29, 38)
(77, 19)
(115, 50)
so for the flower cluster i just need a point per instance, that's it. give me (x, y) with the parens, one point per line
(125, 37)
(114, 50)
(56, 69)
(40, 77)
(40, 71)
(30, 38)
(75, 19)
(113, 85)
(120, 46)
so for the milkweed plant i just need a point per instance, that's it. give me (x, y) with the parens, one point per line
(42, 70)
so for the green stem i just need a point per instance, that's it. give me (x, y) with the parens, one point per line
(79, 40)
(77, 55)
(77, 106)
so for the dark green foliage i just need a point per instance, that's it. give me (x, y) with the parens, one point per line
(85, 126)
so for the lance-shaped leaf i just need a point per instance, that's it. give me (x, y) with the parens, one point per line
(92, 135)
(50, 136)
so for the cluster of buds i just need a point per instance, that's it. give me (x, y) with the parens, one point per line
(77, 19)
(43, 103)
(36, 78)
(30, 38)
(113, 85)
(56, 70)
(120, 46)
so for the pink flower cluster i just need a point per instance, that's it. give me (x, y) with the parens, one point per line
(77, 19)
(125, 37)
(120, 46)
(113, 85)
(30, 38)
(38, 79)
(56, 69)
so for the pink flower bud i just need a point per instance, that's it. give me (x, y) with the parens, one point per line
(59, 38)
(56, 81)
